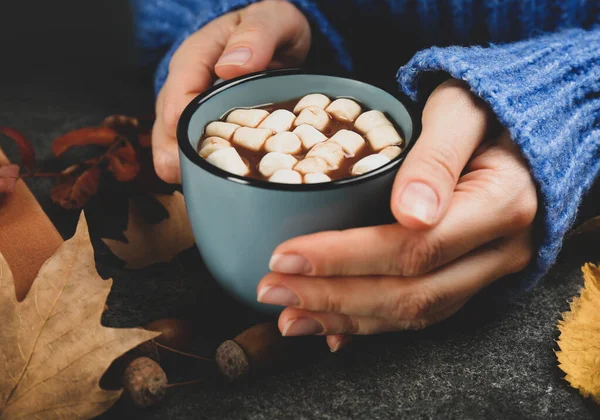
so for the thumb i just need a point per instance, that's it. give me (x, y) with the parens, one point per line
(268, 30)
(454, 124)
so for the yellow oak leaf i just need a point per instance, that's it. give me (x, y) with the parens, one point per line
(151, 243)
(579, 340)
(53, 348)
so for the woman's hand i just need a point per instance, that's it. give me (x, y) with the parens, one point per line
(269, 34)
(465, 209)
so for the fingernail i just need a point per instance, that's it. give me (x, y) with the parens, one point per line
(419, 201)
(278, 296)
(336, 347)
(302, 326)
(237, 57)
(289, 264)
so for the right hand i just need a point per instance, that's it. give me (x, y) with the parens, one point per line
(268, 34)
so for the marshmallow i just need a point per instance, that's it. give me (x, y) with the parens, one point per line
(391, 151)
(344, 109)
(229, 160)
(309, 135)
(221, 129)
(211, 144)
(370, 120)
(286, 176)
(316, 178)
(247, 117)
(369, 163)
(251, 138)
(285, 142)
(314, 116)
(312, 165)
(330, 151)
(350, 141)
(274, 161)
(314, 99)
(278, 121)
(383, 136)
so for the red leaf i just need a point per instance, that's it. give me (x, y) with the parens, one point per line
(25, 148)
(123, 163)
(74, 195)
(100, 136)
(8, 178)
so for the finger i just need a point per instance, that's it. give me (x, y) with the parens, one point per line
(479, 214)
(343, 325)
(399, 297)
(337, 342)
(454, 124)
(266, 30)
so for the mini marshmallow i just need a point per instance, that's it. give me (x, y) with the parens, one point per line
(212, 144)
(221, 129)
(278, 121)
(309, 135)
(350, 141)
(285, 142)
(312, 165)
(274, 161)
(251, 138)
(229, 160)
(316, 178)
(314, 99)
(344, 109)
(314, 116)
(286, 176)
(383, 136)
(330, 151)
(369, 163)
(247, 117)
(391, 151)
(370, 120)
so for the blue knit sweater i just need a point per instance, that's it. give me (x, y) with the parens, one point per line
(535, 62)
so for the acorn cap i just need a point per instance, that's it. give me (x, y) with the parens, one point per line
(232, 361)
(145, 382)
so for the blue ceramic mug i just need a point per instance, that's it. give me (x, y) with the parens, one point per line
(238, 221)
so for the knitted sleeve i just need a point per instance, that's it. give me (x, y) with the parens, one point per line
(546, 91)
(161, 26)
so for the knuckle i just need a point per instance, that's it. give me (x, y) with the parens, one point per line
(352, 325)
(421, 257)
(521, 257)
(524, 211)
(415, 306)
(331, 304)
(442, 162)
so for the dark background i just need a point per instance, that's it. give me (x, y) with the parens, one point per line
(68, 64)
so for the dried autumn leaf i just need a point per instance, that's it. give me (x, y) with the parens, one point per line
(122, 162)
(8, 177)
(100, 136)
(25, 148)
(74, 195)
(579, 340)
(54, 349)
(149, 243)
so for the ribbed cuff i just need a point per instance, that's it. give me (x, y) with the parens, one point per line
(546, 92)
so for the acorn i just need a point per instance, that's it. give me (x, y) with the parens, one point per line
(175, 333)
(258, 349)
(145, 382)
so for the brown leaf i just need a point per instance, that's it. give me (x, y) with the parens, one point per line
(54, 349)
(148, 243)
(579, 340)
(145, 139)
(8, 178)
(100, 136)
(25, 148)
(122, 162)
(75, 194)
(121, 122)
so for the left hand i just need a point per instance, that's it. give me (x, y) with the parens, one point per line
(465, 205)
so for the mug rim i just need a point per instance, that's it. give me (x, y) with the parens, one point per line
(186, 148)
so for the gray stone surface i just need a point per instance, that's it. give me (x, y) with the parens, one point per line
(495, 359)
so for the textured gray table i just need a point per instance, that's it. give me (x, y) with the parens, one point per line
(493, 360)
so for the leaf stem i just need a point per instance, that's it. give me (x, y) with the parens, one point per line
(183, 353)
(197, 381)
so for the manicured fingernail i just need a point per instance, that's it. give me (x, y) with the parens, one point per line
(237, 57)
(337, 346)
(278, 296)
(302, 326)
(419, 201)
(289, 264)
